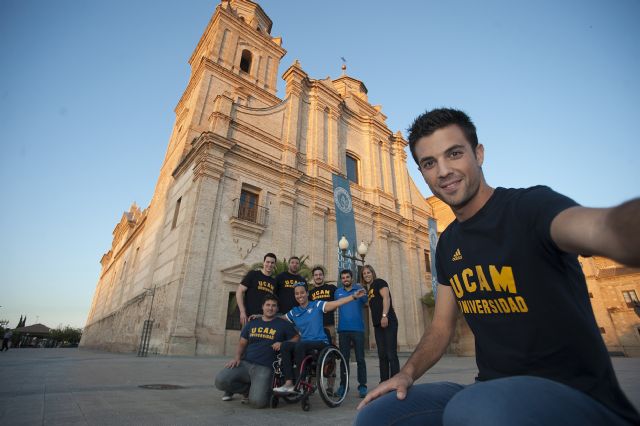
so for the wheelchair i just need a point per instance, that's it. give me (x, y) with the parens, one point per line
(319, 370)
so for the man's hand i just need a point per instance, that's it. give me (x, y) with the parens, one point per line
(232, 364)
(243, 318)
(384, 322)
(401, 382)
(276, 346)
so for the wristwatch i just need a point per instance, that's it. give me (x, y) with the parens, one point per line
(384, 315)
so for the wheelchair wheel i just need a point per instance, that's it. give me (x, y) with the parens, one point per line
(330, 364)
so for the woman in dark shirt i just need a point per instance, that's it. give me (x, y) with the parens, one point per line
(385, 322)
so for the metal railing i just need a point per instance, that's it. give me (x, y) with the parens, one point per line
(250, 212)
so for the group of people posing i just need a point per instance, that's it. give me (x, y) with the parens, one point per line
(509, 263)
(288, 315)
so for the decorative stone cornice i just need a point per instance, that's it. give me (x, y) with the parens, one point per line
(206, 156)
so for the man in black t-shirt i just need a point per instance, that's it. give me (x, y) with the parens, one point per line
(285, 282)
(254, 287)
(324, 291)
(509, 264)
(251, 370)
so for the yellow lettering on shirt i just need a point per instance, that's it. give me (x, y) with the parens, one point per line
(265, 286)
(503, 279)
(470, 286)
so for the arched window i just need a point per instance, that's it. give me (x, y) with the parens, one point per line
(245, 61)
(352, 168)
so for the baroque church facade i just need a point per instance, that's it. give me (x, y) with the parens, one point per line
(246, 173)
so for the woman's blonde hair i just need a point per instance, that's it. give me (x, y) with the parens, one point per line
(370, 268)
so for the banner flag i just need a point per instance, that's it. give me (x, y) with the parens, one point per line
(345, 223)
(433, 242)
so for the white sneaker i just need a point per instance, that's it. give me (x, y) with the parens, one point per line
(228, 396)
(284, 389)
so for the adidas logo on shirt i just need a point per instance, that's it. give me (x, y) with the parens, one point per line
(457, 255)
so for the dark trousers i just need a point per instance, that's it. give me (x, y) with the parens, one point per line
(357, 337)
(299, 350)
(387, 343)
(5, 345)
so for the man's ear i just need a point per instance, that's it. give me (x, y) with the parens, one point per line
(480, 154)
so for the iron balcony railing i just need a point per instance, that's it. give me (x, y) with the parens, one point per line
(250, 212)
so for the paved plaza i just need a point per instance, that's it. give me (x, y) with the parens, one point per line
(82, 387)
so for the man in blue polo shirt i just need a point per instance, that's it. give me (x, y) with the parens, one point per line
(251, 370)
(351, 330)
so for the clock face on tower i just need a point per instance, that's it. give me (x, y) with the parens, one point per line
(342, 199)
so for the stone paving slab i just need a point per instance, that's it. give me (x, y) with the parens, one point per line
(83, 387)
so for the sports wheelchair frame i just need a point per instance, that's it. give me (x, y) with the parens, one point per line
(320, 370)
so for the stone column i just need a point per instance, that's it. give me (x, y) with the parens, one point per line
(208, 170)
(294, 78)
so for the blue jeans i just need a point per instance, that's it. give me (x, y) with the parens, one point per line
(518, 400)
(357, 337)
(247, 377)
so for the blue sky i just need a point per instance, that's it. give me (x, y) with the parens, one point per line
(87, 92)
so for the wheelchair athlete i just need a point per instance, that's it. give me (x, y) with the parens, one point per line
(307, 318)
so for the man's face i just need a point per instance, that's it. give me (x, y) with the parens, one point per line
(318, 277)
(269, 309)
(449, 165)
(294, 265)
(301, 295)
(346, 280)
(269, 263)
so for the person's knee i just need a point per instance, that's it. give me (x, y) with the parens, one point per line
(487, 403)
(260, 402)
(221, 383)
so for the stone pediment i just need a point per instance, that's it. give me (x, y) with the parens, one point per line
(234, 274)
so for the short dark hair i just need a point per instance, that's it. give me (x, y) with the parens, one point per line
(269, 255)
(294, 257)
(429, 122)
(270, 297)
(317, 268)
(346, 271)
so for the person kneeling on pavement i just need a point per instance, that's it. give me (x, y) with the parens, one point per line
(250, 372)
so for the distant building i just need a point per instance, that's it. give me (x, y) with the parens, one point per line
(247, 173)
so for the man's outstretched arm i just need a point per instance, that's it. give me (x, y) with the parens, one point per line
(432, 345)
(612, 232)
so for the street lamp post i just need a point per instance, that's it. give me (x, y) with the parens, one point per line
(362, 249)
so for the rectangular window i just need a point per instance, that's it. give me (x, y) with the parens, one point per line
(427, 261)
(248, 208)
(630, 297)
(233, 313)
(352, 169)
(175, 214)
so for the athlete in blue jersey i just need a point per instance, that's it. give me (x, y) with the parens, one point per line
(307, 318)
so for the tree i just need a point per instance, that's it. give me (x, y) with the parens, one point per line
(283, 265)
(66, 335)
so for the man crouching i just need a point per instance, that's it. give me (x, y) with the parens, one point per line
(250, 372)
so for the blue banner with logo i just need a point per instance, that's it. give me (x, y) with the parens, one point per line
(433, 242)
(345, 223)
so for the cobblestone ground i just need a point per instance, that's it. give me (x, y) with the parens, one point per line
(82, 387)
